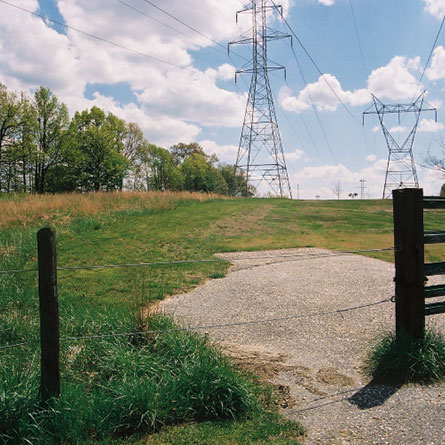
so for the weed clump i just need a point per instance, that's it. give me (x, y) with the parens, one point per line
(113, 388)
(401, 359)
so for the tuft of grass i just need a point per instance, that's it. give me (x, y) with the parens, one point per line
(400, 359)
(114, 387)
(217, 275)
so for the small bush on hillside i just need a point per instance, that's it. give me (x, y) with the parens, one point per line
(403, 359)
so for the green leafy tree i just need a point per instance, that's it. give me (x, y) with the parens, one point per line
(160, 170)
(25, 146)
(9, 118)
(97, 139)
(182, 151)
(201, 176)
(236, 181)
(52, 124)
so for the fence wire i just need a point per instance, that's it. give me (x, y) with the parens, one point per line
(210, 326)
(197, 261)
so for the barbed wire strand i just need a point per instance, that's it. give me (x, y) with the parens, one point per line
(209, 326)
(167, 263)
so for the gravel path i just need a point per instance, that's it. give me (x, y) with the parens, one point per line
(312, 353)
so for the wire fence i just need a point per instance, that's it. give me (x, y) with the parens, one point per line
(278, 257)
(210, 326)
(303, 256)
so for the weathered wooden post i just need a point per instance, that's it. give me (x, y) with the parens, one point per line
(409, 261)
(49, 314)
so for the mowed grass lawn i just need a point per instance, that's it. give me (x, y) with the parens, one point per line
(146, 228)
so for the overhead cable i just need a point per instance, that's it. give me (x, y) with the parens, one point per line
(93, 36)
(315, 65)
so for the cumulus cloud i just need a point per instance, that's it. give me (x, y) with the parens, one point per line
(326, 2)
(319, 180)
(437, 68)
(159, 128)
(398, 129)
(395, 81)
(324, 94)
(430, 126)
(295, 155)
(174, 98)
(371, 158)
(225, 153)
(435, 7)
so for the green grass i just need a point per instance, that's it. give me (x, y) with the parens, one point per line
(120, 386)
(400, 359)
(109, 386)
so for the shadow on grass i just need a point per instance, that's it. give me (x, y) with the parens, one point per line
(372, 395)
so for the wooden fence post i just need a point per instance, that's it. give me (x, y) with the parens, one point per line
(49, 314)
(409, 261)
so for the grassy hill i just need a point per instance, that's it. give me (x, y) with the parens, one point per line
(105, 391)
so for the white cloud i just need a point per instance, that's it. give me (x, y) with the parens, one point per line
(174, 102)
(435, 7)
(437, 68)
(319, 180)
(398, 129)
(326, 2)
(294, 155)
(225, 153)
(430, 126)
(376, 128)
(192, 96)
(324, 94)
(371, 158)
(394, 81)
(435, 103)
(159, 128)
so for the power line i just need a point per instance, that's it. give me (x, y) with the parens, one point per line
(315, 65)
(314, 107)
(217, 10)
(189, 26)
(358, 39)
(224, 53)
(429, 57)
(152, 18)
(93, 36)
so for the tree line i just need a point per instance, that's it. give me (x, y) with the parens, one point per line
(42, 150)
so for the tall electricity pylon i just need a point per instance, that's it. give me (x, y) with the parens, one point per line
(260, 153)
(401, 168)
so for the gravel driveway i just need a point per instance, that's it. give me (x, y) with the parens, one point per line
(309, 351)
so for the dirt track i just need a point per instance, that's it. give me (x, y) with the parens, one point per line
(282, 308)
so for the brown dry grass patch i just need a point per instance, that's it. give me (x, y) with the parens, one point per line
(24, 210)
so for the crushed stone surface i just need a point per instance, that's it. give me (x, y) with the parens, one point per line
(282, 314)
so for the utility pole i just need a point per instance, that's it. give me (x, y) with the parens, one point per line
(260, 154)
(401, 168)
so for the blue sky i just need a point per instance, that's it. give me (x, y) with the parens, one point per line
(193, 96)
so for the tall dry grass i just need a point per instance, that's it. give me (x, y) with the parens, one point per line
(24, 210)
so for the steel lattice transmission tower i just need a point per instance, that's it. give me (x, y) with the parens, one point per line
(260, 153)
(401, 168)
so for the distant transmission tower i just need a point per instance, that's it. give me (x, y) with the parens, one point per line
(260, 153)
(401, 168)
